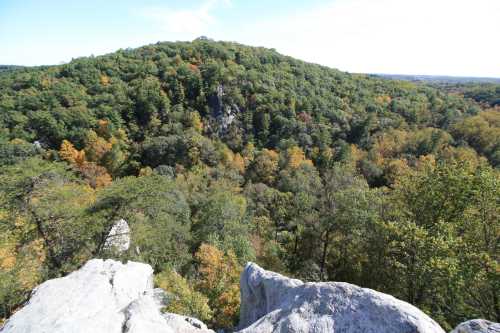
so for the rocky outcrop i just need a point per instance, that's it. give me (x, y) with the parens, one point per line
(271, 302)
(118, 238)
(477, 326)
(104, 296)
(224, 113)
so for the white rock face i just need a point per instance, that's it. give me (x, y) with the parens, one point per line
(101, 297)
(271, 302)
(477, 326)
(118, 238)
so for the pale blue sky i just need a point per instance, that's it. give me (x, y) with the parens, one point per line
(448, 37)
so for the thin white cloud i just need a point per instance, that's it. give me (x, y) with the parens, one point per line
(185, 22)
(448, 37)
(455, 37)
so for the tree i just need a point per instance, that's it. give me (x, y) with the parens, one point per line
(16, 150)
(158, 215)
(348, 209)
(44, 232)
(482, 132)
(71, 155)
(265, 167)
(58, 210)
(221, 221)
(96, 147)
(183, 299)
(96, 175)
(219, 281)
(481, 239)
(440, 242)
(295, 157)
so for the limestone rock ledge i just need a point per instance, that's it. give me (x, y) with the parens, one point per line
(271, 302)
(477, 326)
(104, 296)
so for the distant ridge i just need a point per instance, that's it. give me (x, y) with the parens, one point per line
(439, 78)
(5, 68)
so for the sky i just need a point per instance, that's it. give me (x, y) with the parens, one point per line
(436, 37)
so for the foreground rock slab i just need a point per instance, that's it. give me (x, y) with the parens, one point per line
(271, 302)
(104, 296)
(477, 326)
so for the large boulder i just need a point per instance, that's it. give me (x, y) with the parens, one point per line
(477, 326)
(271, 302)
(104, 296)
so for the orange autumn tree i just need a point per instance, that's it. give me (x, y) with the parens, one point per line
(219, 281)
(103, 154)
(72, 155)
(94, 174)
(233, 161)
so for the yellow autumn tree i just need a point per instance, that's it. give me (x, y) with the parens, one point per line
(395, 169)
(389, 145)
(104, 79)
(219, 281)
(184, 299)
(195, 121)
(146, 171)
(21, 266)
(248, 153)
(295, 157)
(7, 253)
(383, 99)
(96, 147)
(227, 156)
(232, 160)
(239, 163)
(103, 128)
(265, 166)
(357, 154)
(70, 154)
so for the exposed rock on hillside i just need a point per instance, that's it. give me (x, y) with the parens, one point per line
(477, 326)
(103, 296)
(118, 238)
(271, 302)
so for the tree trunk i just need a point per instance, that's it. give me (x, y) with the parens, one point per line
(496, 302)
(296, 245)
(323, 257)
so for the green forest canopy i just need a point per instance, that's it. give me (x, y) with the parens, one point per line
(217, 153)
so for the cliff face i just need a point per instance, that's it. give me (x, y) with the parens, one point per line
(274, 303)
(103, 296)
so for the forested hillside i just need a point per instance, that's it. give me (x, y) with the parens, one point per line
(218, 153)
(487, 94)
